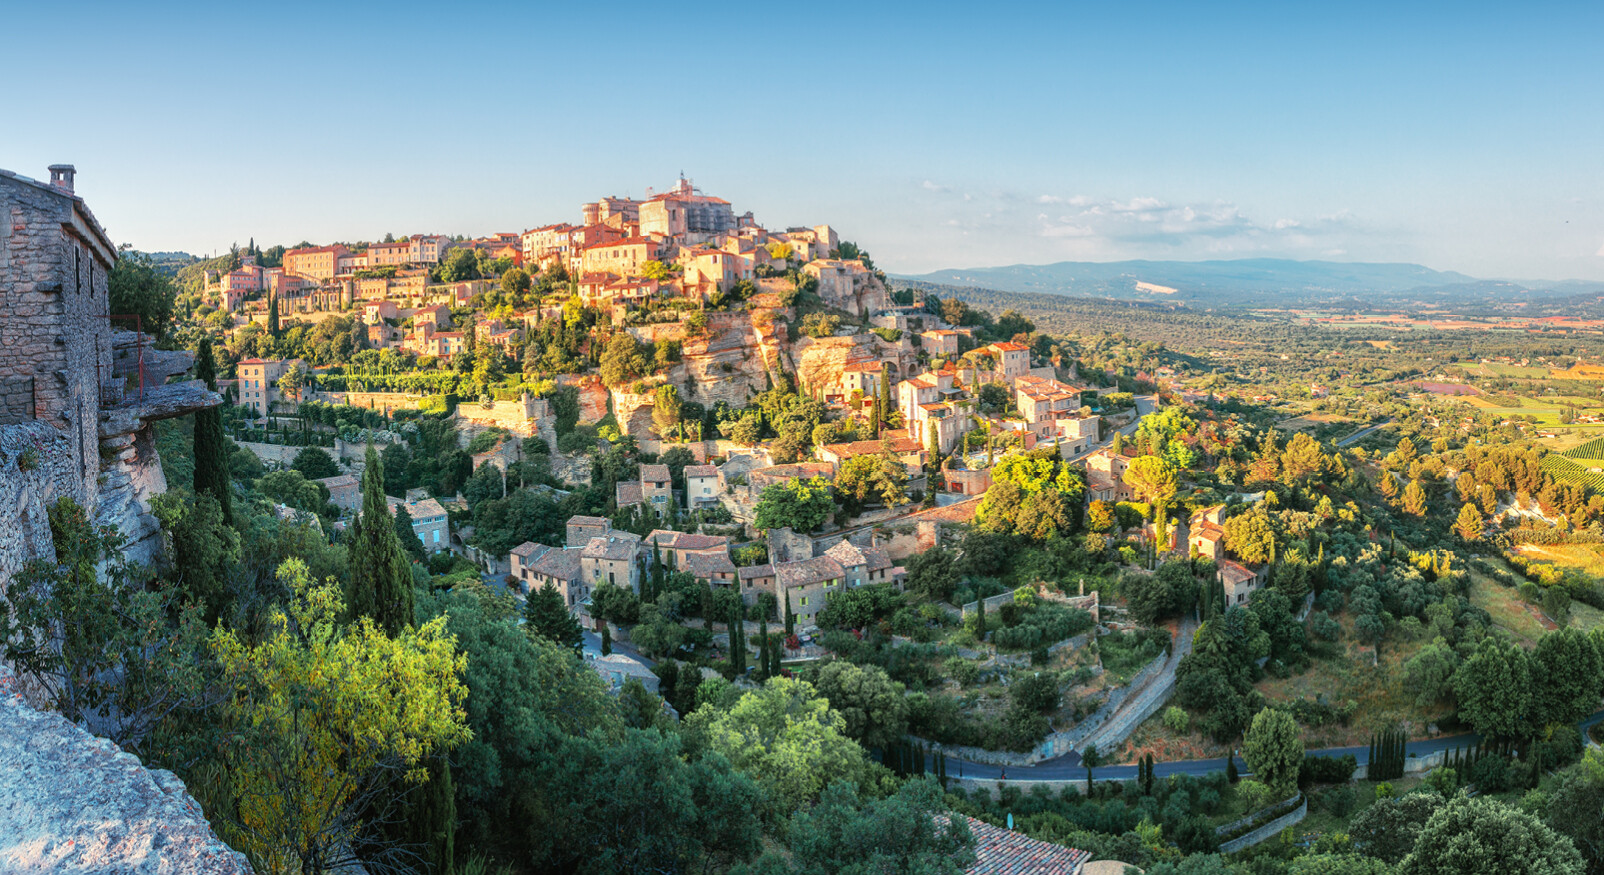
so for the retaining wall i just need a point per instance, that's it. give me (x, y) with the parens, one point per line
(1269, 830)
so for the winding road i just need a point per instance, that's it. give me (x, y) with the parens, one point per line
(1068, 766)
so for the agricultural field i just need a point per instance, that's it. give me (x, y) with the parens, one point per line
(1526, 622)
(1490, 369)
(1562, 468)
(1588, 455)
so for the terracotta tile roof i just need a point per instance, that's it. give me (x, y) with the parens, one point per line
(808, 571)
(701, 470)
(752, 572)
(621, 546)
(628, 492)
(527, 548)
(588, 521)
(654, 474)
(560, 564)
(851, 555)
(1233, 573)
(1001, 851)
(1010, 346)
(899, 446)
(705, 565)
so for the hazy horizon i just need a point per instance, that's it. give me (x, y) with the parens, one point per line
(943, 138)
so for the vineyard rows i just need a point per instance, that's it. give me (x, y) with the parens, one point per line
(1593, 449)
(1561, 468)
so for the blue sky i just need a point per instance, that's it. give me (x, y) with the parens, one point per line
(1466, 137)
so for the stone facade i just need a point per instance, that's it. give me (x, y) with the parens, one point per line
(55, 338)
(76, 396)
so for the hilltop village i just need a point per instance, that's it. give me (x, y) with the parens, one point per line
(667, 542)
(692, 314)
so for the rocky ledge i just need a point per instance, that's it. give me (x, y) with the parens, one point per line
(158, 402)
(74, 803)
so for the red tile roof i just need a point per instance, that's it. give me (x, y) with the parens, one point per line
(1001, 851)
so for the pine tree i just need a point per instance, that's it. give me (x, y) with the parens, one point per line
(381, 576)
(1414, 499)
(211, 457)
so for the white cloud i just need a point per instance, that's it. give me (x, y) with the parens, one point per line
(927, 185)
(1600, 252)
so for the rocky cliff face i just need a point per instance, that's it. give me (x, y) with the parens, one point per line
(819, 362)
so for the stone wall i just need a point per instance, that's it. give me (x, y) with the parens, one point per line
(54, 264)
(73, 803)
(36, 468)
(1269, 830)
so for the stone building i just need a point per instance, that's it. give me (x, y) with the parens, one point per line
(76, 396)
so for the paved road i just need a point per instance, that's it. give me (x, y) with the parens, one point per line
(1363, 433)
(1068, 766)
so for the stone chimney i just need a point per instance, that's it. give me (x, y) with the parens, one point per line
(61, 176)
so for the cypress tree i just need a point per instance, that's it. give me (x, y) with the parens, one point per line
(884, 395)
(738, 642)
(707, 609)
(381, 577)
(432, 818)
(606, 639)
(790, 619)
(980, 617)
(272, 315)
(774, 659)
(763, 648)
(211, 459)
(941, 768)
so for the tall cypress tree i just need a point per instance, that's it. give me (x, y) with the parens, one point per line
(886, 404)
(381, 588)
(381, 577)
(738, 642)
(211, 460)
(790, 619)
(272, 315)
(763, 648)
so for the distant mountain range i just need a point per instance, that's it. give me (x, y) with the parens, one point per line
(1261, 282)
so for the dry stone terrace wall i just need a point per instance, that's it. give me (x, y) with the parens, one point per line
(73, 803)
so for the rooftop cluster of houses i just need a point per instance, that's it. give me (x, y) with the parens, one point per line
(596, 553)
(618, 254)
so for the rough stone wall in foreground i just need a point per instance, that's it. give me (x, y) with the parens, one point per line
(73, 803)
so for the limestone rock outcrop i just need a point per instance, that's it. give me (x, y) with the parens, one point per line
(73, 803)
